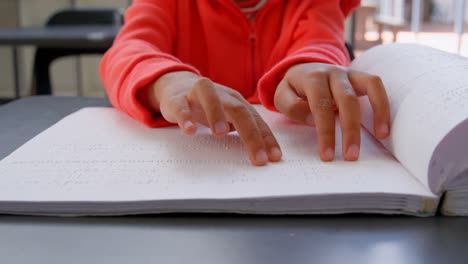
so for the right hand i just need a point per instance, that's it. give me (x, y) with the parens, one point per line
(188, 99)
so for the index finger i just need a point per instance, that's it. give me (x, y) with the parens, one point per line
(244, 122)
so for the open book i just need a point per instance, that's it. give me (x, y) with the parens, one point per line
(98, 161)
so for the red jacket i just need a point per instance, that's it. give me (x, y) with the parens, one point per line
(215, 39)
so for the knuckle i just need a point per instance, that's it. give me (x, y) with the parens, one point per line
(177, 106)
(352, 124)
(174, 108)
(174, 103)
(237, 109)
(350, 98)
(269, 139)
(184, 113)
(317, 74)
(324, 105)
(337, 70)
(203, 84)
(344, 89)
(235, 94)
(348, 92)
(375, 80)
(252, 137)
(350, 129)
(256, 116)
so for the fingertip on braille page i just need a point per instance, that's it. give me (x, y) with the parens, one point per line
(261, 157)
(329, 154)
(221, 128)
(353, 152)
(189, 127)
(383, 130)
(275, 154)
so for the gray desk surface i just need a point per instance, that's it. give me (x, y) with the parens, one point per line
(60, 37)
(196, 238)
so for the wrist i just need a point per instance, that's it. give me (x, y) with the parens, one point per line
(147, 97)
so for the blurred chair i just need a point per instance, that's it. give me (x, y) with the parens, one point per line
(391, 14)
(362, 16)
(69, 17)
(5, 101)
(350, 50)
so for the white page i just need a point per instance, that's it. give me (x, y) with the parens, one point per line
(100, 154)
(428, 91)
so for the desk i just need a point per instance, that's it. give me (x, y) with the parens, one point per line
(202, 238)
(56, 37)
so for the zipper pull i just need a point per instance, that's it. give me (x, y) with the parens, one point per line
(252, 36)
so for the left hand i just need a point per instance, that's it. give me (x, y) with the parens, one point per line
(309, 91)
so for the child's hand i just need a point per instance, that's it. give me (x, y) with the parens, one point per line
(308, 92)
(186, 99)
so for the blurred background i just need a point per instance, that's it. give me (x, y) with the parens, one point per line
(437, 23)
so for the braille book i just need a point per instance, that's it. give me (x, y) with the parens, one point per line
(98, 161)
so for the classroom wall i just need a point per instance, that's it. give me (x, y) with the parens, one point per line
(8, 10)
(64, 71)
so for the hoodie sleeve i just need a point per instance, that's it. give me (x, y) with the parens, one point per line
(140, 55)
(313, 32)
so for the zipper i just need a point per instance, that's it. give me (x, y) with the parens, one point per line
(252, 43)
(252, 39)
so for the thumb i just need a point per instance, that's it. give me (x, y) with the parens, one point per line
(295, 107)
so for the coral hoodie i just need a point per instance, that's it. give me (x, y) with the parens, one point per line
(214, 38)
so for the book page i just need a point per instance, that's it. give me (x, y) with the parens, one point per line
(428, 92)
(100, 154)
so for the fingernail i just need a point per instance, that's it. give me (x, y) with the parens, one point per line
(188, 125)
(383, 129)
(310, 120)
(353, 152)
(275, 153)
(329, 154)
(221, 128)
(261, 156)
